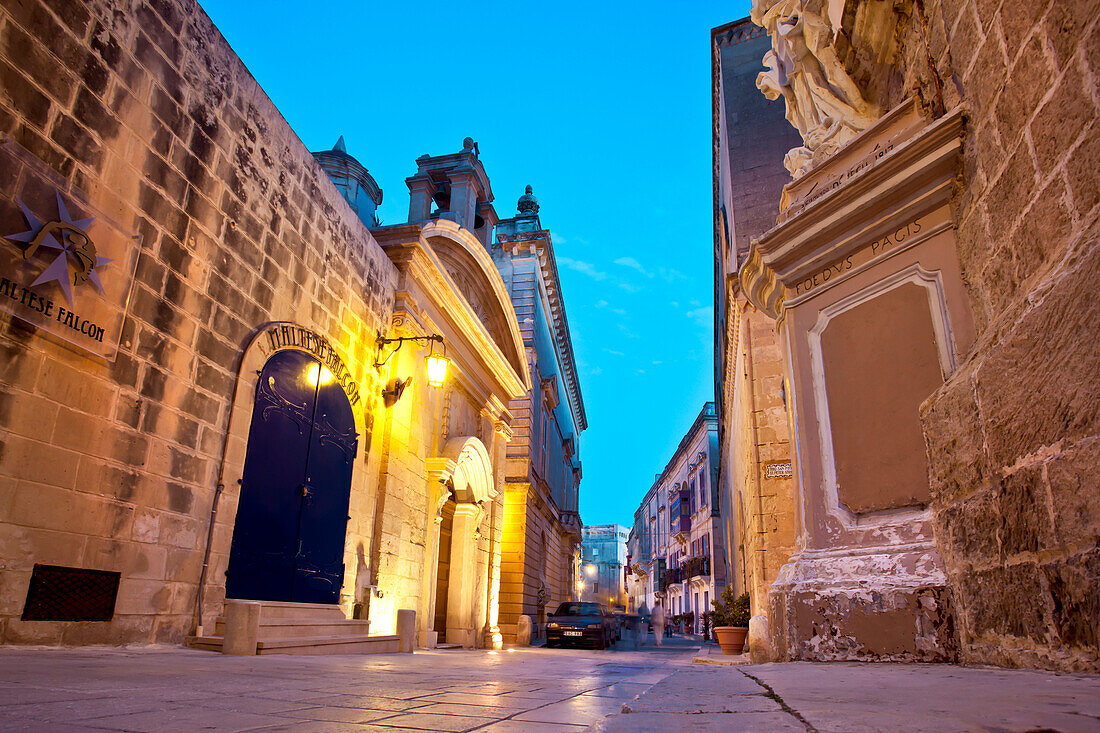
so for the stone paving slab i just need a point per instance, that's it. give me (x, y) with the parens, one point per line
(699, 723)
(853, 698)
(928, 697)
(170, 689)
(522, 691)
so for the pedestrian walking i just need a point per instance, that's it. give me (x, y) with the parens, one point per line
(658, 620)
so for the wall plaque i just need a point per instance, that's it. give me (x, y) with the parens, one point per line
(65, 266)
(778, 469)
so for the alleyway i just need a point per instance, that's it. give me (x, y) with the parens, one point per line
(168, 689)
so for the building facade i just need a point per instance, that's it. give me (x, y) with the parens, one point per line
(236, 400)
(934, 251)
(603, 565)
(750, 140)
(543, 475)
(677, 545)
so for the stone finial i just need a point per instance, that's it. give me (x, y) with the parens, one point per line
(528, 204)
(468, 143)
(339, 146)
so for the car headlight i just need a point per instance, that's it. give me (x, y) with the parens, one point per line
(593, 626)
(551, 626)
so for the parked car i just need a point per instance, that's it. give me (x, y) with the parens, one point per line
(577, 622)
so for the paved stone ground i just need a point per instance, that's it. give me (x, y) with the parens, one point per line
(529, 690)
(168, 689)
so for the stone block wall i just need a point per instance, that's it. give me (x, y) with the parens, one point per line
(534, 551)
(754, 420)
(144, 108)
(1013, 436)
(757, 419)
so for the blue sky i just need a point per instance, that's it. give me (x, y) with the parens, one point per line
(604, 108)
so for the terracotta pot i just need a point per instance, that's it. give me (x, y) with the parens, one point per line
(731, 638)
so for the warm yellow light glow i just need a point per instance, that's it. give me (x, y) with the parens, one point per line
(318, 374)
(591, 569)
(437, 369)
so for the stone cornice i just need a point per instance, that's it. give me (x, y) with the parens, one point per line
(915, 176)
(540, 244)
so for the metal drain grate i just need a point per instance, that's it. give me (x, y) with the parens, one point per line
(58, 593)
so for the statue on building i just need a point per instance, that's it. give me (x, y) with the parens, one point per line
(823, 102)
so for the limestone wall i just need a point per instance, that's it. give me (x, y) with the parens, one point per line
(757, 424)
(145, 109)
(1014, 435)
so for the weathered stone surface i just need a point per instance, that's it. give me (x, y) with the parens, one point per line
(149, 114)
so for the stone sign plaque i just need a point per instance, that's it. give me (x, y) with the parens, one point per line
(65, 266)
(778, 469)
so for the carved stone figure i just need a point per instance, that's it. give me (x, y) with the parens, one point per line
(823, 103)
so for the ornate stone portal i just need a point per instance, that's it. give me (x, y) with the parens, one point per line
(862, 276)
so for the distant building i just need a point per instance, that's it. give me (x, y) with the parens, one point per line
(677, 546)
(603, 562)
(543, 466)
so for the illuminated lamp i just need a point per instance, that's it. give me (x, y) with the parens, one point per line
(318, 375)
(436, 364)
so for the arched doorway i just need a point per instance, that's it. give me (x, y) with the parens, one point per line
(467, 489)
(288, 540)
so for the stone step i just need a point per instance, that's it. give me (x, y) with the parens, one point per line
(286, 609)
(283, 628)
(445, 645)
(343, 644)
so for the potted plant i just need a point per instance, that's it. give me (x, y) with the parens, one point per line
(706, 625)
(731, 620)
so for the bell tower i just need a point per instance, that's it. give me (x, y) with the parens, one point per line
(454, 187)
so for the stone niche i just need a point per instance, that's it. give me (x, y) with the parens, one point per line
(861, 274)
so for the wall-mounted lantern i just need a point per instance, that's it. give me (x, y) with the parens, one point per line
(436, 364)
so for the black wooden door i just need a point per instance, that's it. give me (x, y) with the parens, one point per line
(288, 541)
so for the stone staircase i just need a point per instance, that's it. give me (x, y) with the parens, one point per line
(304, 628)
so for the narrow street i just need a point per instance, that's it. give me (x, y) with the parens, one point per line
(530, 690)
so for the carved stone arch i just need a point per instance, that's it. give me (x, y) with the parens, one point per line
(471, 268)
(464, 473)
(472, 471)
(256, 348)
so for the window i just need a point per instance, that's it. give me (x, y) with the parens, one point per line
(704, 544)
(692, 500)
(595, 587)
(702, 489)
(595, 552)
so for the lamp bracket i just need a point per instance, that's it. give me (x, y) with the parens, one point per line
(383, 342)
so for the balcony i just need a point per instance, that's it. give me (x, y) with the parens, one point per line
(696, 566)
(571, 524)
(681, 528)
(672, 576)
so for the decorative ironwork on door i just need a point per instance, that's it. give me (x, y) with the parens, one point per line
(288, 541)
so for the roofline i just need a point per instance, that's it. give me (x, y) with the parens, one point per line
(688, 437)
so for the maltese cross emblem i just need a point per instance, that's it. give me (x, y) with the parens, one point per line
(65, 241)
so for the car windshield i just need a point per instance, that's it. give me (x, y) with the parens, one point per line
(578, 609)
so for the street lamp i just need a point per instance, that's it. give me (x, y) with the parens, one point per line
(436, 364)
